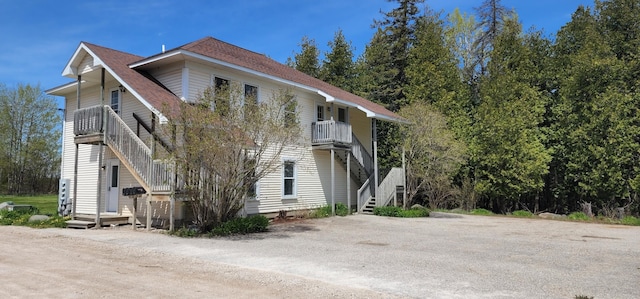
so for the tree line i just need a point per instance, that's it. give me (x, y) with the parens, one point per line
(510, 119)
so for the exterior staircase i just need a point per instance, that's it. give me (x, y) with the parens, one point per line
(101, 125)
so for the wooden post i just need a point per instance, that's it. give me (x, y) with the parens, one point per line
(348, 180)
(75, 164)
(404, 178)
(374, 139)
(133, 211)
(150, 182)
(101, 151)
(333, 180)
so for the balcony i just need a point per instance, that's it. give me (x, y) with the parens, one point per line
(331, 133)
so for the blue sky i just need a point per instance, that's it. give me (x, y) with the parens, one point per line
(39, 37)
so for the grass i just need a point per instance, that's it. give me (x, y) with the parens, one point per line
(522, 213)
(46, 204)
(325, 211)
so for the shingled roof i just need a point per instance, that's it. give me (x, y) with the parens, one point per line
(237, 56)
(138, 82)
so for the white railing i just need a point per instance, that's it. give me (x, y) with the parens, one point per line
(361, 155)
(88, 121)
(387, 188)
(330, 131)
(365, 192)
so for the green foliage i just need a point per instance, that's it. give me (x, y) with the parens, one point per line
(483, 212)
(185, 232)
(325, 211)
(522, 213)
(630, 220)
(578, 216)
(21, 218)
(248, 225)
(307, 60)
(391, 211)
(338, 68)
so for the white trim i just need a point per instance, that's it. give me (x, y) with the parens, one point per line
(295, 179)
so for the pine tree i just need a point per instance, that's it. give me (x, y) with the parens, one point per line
(307, 60)
(338, 67)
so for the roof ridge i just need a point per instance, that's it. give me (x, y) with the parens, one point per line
(110, 49)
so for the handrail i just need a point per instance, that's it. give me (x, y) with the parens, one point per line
(387, 188)
(365, 192)
(361, 155)
(330, 131)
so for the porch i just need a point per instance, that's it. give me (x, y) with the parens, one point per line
(329, 133)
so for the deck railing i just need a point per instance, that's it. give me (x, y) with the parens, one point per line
(330, 131)
(88, 121)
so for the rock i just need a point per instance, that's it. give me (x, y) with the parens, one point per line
(547, 215)
(36, 218)
(5, 205)
(417, 207)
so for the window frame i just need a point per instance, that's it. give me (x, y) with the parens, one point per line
(294, 178)
(216, 97)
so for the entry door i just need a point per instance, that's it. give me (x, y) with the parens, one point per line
(113, 183)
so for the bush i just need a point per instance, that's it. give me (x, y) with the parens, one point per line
(630, 220)
(325, 211)
(185, 232)
(483, 212)
(392, 211)
(578, 216)
(522, 213)
(248, 225)
(22, 218)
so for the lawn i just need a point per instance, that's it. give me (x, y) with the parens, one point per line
(46, 204)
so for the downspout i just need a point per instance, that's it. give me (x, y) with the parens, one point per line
(101, 152)
(75, 164)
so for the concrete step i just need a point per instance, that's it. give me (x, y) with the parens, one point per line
(80, 224)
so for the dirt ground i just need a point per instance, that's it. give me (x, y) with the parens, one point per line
(446, 256)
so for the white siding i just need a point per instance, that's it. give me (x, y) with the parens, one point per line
(86, 64)
(171, 77)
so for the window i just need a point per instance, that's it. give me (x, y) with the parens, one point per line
(290, 113)
(221, 100)
(319, 113)
(115, 101)
(250, 99)
(250, 180)
(289, 179)
(342, 115)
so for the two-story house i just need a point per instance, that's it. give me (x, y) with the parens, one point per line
(114, 108)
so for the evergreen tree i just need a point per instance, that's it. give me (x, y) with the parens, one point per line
(307, 60)
(338, 67)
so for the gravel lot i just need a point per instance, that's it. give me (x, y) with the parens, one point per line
(445, 256)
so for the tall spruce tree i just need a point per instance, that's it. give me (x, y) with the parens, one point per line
(307, 60)
(338, 67)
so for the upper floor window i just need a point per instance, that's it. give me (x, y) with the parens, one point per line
(290, 117)
(221, 99)
(342, 115)
(115, 101)
(319, 112)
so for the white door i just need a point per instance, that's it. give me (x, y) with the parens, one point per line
(113, 182)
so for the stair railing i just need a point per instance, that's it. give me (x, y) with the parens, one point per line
(361, 155)
(365, 192)
(387, 188)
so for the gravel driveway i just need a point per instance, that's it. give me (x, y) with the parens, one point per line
(445, 256)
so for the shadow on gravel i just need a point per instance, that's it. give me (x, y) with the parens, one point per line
(278, 231)
(443, 215)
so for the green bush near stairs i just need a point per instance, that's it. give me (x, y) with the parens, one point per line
(391, 211)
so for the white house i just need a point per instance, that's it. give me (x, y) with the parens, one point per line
(114, 104)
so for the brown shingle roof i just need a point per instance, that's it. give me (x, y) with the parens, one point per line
(150, 90)
(229, 53)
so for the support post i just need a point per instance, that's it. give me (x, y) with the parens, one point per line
(101, 151)
(133, 212)
(151, 183)
(374, 139)
(75, 164)
(348, 180)
(333, 181)
(404, 178)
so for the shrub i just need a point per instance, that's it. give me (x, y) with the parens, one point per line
(22, 218)
(392, 211)
(578, 216)
(522, 213)
(481, 212)
(325, 211)
(248, 225)
(185, 232)
(630, 220)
